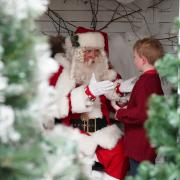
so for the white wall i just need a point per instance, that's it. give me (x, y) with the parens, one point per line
(159, 22)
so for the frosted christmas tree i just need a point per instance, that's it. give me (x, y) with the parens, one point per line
(26, 100)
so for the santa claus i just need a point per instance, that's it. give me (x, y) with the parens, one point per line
(84, 84)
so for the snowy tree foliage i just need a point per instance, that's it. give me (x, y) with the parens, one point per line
(26, 100)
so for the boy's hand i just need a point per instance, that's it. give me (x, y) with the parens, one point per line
(115, 116)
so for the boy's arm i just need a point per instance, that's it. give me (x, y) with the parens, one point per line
(135, 115)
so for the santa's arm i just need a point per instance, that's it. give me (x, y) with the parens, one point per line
(76, 101)
(82, 97)
(69, 98)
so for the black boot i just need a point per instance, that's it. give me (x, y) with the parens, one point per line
(97, 166)
(57, 121)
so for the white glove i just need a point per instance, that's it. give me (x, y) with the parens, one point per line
(99, 88)
(126, 86)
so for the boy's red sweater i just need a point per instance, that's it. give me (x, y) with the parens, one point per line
(136, 142)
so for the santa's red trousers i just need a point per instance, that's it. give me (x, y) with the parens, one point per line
(114, 161)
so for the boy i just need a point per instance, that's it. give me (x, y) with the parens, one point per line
(137, 147)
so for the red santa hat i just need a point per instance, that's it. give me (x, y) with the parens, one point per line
(92, 38)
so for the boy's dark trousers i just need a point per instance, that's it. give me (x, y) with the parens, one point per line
(133, 167)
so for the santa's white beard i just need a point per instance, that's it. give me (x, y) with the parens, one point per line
(83, 70)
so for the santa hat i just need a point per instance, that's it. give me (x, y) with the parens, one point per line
(91, 38)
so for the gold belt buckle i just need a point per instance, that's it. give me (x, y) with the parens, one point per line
(85, 119)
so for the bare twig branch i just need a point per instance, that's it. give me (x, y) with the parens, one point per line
(136, 11)
(50, 14)
(143, 19)
(97, 10)
(123, 16)
(167, 38)
(94, 13)
(156, 4)
(53, 20)
(131, 24)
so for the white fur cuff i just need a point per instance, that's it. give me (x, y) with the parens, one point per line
(62, 107)
(87, 145)
(79, 101)
(108, 136)
(91, 40)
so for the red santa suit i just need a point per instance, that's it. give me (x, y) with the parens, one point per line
(74, 104)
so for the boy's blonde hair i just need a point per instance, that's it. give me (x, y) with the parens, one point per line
(150, 48)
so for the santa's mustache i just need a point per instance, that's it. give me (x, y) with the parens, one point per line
(92, 61)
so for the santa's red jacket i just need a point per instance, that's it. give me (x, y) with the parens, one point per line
(107, 142)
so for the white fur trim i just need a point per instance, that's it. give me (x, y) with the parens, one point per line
(62, 107)
(96, 109)
(79, 100)
(63, 87)
(61, 59)
(64, 83)
(97, 175)
(107, 137)
(108, 177)
(87, 146)
(91, 40)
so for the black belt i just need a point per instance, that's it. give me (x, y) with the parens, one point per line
(90, 125)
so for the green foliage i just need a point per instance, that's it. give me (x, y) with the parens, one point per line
(18, 40)
(23, 159)
(168, 69)
(166, 121)
(34, 155)
(147, 171)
